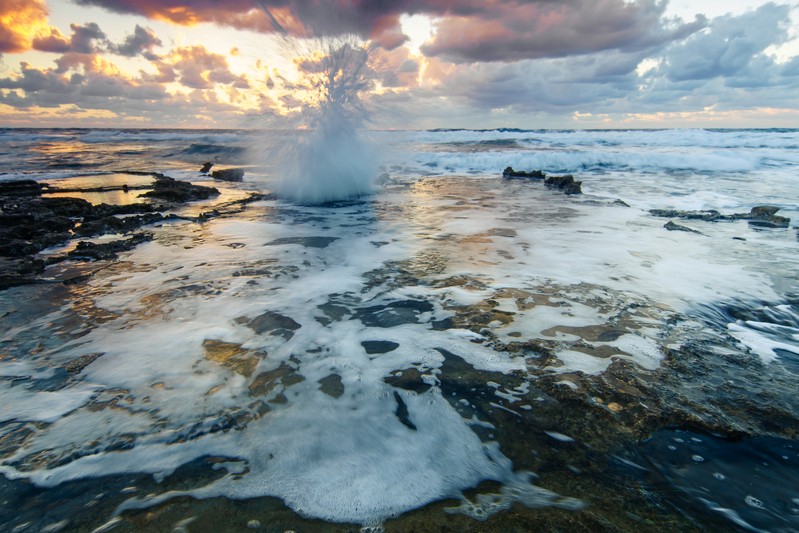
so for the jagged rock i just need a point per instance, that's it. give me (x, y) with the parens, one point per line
(172, 190)
(761, 215)
(671, 226)
(509, 173)
(763, 211)
(565, 184)
(228, 174)
(114, 224)
(206, 167)
(108, 250)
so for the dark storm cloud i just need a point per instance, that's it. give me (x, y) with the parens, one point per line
(470, 30)
(513, 31)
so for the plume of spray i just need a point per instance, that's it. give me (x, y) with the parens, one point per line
(333, 160)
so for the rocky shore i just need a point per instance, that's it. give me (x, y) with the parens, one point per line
(35, 216)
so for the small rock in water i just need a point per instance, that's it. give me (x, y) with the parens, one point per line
(206, 167)
(671, 226)
(228, 174)
(509, 173)
(565, 184)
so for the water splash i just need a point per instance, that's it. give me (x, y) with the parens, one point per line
(332, 160)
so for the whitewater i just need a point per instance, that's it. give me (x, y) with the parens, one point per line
(446, 348)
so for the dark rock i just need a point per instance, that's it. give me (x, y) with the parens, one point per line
(620, 203)
(394, 313)
(761, 215)
(509, 173)
(763, 211)
(379, 347)
(402, 412)
(228, 174)
(771, 222)
(108, 250)
(671, 226)
(206, 167)
(308, 242)
(19, 271)
(409, 379)
(274, 324)
(172, 190)
(565, 184)
(114, 224)
(332, 385)
(20, 188)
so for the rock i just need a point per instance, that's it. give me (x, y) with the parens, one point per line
(761, 215)
(206, 167)
(20, 188)
(763, 211)
(771, 222)
(113, 224)
(228, 174)
(671, 226)
(709, 215)
(19, 271)
(172, 190)
(108, 250)
(620, 203)
(274, 324)
(509, 173)
(565, 184)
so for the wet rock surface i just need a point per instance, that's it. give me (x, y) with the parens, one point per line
(31, 222)
(565, 184)
(228, 174)
(761, 215)
(509, 173)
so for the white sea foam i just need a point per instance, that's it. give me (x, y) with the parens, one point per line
(349, 456)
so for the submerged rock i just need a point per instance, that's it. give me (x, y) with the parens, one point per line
(565, 184)
(228, 174)
(671, 226)
(760, 215)
(509, 173)
(206, 167)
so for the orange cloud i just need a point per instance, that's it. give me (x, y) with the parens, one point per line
(20, 22)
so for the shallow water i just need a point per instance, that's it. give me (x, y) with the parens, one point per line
(365, 360)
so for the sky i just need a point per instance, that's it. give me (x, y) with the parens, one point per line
(431, 64)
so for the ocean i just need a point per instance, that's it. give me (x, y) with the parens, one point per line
(456, 351)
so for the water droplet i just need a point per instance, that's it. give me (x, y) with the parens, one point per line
(697, 458)
(754, 502)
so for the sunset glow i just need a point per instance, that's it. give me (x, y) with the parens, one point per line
(507, 63)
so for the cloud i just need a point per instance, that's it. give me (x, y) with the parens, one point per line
(729, 45)
(141, 41)
(20, 22)
(197, 68)
(512, 31)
